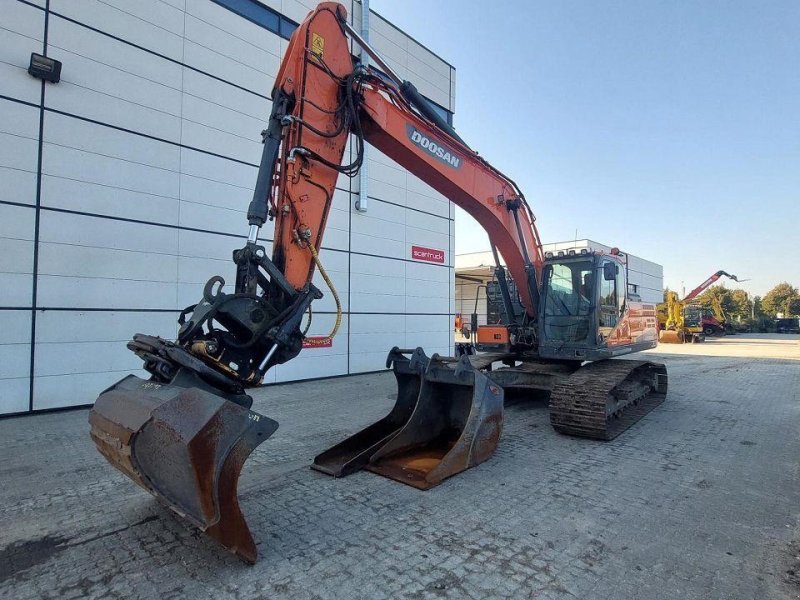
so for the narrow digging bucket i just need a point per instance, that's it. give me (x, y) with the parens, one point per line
(354, 452)
(456, 424)
(186, 446)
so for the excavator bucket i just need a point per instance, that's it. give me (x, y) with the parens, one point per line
(456, 424)
(670, 336)
(354, 453)
(186, 445)
(447, 418)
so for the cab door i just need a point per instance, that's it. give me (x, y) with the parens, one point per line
(613, 326)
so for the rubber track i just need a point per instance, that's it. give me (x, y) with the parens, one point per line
(579, 403)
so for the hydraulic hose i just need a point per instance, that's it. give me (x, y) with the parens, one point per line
(331, 287)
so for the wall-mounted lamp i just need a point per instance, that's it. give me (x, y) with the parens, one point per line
(44, 67)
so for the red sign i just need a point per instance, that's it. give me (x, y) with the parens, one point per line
(427, 254)
(317, 342)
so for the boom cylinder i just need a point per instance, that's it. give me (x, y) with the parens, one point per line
(257, 212)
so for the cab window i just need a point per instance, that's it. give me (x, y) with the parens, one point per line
(609, 298)
(568, 300)
(562, 279)
(622, 288)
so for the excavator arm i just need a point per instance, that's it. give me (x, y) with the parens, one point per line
(462, 177)
(321, 97)
(333, 96)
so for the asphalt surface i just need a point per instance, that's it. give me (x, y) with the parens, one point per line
(698, 500)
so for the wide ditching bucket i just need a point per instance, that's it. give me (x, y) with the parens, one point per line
(186, 444)
(454, 423)
(355, 452)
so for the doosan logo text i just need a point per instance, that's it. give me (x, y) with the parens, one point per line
(434, 148)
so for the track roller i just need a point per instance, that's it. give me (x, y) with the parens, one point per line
(602, 399)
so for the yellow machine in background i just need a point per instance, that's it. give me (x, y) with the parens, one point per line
(681, 321)
(715, 320)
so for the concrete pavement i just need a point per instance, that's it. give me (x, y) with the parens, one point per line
(698, 500)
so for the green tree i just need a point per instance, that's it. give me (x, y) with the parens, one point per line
(721, 294)
(758, 308)
(761, 322)
(780, 299)
(742, 306)
(793, 306)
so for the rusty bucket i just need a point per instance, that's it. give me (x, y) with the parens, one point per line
(186, 444)
(670, 336)
(447, 418)
(354, 453)
(456, 424)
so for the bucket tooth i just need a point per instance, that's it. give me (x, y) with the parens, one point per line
(354, 453)
(186, 444)
(456, 424)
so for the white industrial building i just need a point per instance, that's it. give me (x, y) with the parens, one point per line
(124, 186)
(475, 269)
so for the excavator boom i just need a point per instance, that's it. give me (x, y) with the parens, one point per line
(185, 433)
(708, 282)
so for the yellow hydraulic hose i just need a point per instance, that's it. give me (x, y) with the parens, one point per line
(329, 283)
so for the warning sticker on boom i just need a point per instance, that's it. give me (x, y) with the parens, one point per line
(317, 45)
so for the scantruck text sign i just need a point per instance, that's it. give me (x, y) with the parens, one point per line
(427, 254)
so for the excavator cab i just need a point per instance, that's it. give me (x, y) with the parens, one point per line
(586, 312)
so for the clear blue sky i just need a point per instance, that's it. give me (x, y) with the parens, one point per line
(668, 128)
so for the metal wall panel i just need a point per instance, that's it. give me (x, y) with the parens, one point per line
(15, 352)
(17, 232)
(149, 148)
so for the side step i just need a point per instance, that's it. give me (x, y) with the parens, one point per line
(602, 399)
(447, 418)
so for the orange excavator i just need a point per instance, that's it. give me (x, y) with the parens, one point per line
(185, 433)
